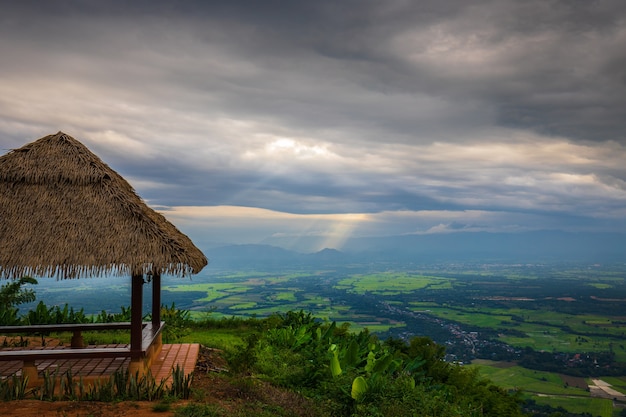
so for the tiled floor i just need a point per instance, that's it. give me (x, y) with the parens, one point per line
(185, 355)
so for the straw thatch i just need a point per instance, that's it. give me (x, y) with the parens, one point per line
(65, 213)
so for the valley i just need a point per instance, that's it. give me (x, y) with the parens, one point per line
(546, 325)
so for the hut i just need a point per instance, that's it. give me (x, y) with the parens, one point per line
(66, 214)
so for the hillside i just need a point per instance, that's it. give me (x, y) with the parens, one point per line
(295, 365)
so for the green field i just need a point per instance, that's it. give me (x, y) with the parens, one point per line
(260, 295)
(536, 382)
(544, 330)
(388, 284)
(548, 388)
(564, 308)
(593, 406)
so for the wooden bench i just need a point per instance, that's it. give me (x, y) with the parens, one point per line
(77, 329)
(32, 355)
(150, 335)
(150, 345)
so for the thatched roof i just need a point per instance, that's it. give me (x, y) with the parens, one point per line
(65, 213)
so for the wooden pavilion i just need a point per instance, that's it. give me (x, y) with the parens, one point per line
(66, 214)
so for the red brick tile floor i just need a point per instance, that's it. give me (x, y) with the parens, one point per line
(184, 355)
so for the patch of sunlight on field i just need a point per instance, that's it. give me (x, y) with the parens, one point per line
(392, 283)
(285, 295)
(374, 328)
(600, 286)
(214, 291)
(598, 321)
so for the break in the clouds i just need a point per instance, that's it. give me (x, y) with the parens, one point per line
(272, 121)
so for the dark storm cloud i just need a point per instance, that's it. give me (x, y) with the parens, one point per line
(336, 106)
(554, 67)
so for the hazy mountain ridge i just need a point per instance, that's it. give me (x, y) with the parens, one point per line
(269, 256)
(544, 246)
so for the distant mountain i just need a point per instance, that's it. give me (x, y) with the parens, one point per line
(544, 246)
(269, 256)
(327, 255)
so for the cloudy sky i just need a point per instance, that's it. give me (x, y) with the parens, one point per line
(304, 123)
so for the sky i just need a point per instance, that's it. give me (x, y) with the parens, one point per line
(305, 123)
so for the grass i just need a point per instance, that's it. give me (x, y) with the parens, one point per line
(224, 339)
(593, 406)
(537, 382)
(549, 389)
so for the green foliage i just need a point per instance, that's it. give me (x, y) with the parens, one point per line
(43, 314)
(359, 388)
(181, 383)
(124, 386)
(335, 366)
(178, 323)
(346, 373)
(12, 295)
(241, 359)
(354, 374)
(14, 388)
(120, 386)
(122, 316)
(162, 407)
(47, 390)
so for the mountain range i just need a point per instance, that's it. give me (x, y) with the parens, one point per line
(544, 246)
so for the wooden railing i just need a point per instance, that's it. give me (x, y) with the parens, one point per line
(78, 350)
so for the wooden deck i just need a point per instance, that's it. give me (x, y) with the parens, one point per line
(185, 355)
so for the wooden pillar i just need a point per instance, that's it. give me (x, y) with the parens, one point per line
(29, 371)
(136, 313)
(156, 301)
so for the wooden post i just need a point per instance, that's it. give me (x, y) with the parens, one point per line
(77, 339)
(29, 371)
(156, 301)
(136, 313)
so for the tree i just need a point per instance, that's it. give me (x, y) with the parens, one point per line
(12, 295)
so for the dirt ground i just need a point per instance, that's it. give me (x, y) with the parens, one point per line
(34, 408)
